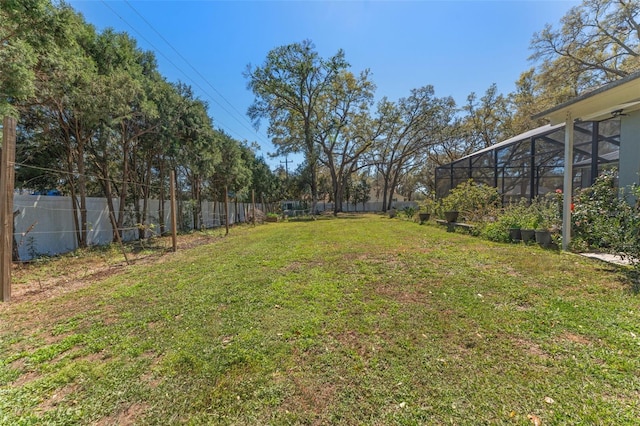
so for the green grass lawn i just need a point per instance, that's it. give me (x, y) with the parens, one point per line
(354, 320)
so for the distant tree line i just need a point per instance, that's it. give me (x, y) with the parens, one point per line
(321, 108)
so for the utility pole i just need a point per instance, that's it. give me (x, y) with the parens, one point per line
(286, 166)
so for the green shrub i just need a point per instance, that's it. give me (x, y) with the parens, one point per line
(475, 202)
(515, 215)
(604, 219)
(496, 231)
(600, 212)
(545, 212)
(409, 211)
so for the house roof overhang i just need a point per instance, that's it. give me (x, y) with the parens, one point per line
(620, 97)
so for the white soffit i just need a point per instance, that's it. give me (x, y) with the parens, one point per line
(599, 104)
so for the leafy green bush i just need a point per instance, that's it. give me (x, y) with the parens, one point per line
(495, 231)
(409, 211)
(515, 215)
(604, 219)
(475, 202)
(599, 214)
(627, 241)
(428, 205)
(545, 212)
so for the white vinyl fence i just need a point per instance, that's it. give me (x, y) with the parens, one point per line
(44, 224)
(368, 207)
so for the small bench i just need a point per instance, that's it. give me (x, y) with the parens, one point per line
(451, 226)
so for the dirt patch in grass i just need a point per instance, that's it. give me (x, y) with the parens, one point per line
(354, 341)
(94, 357)
(59, 396)
(68, 273)
(402, 294)
(575, 338)
(310, 396)
(27, 377)
(532, 349)
(128, 416)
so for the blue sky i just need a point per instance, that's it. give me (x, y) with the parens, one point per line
(459, 47)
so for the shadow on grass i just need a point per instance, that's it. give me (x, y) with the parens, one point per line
(630, 278)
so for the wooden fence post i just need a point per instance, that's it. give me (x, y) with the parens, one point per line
(7, 174)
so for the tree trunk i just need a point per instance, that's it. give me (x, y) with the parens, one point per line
(385, 188)
(15, 254)
(195, 196)
(162, 196)
(145, 198)
(394, 183)
(82, 192)
(125, 178)
(105, 182)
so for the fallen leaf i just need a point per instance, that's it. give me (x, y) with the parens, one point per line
(535, 420)
(548, 400)
(512, 414)
(403, 404)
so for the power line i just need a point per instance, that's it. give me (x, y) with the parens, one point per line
(178, 68)
(190, 66)
(85, 175)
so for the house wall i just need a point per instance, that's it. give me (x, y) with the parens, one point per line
(629, 149)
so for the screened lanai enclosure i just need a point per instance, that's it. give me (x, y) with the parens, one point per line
(532, 163)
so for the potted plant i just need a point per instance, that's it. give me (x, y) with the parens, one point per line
(549, 217)
(272, 217)
(424, 210)
(528, 225)
(450, 207)
(546, 227)
(515, 229)
(543, 237)
(423, 216)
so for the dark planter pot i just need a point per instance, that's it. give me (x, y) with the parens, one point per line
(515, 234)
(451, 216)
(543, 237)
(423, 217)
(528, 235)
